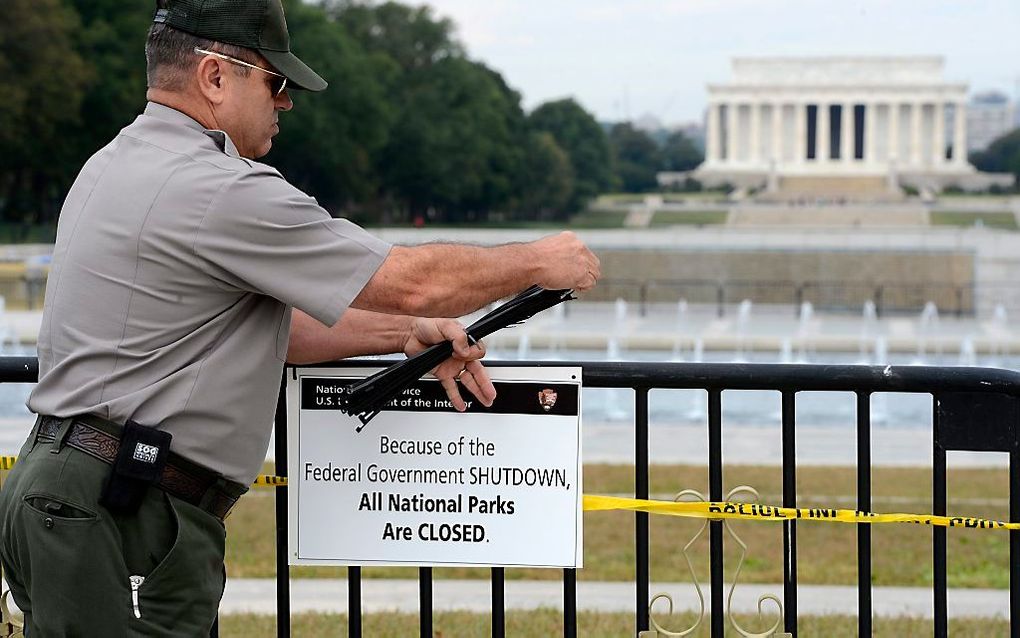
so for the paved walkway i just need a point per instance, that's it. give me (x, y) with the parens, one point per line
(330, 595)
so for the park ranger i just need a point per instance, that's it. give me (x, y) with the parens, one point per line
(184, 275)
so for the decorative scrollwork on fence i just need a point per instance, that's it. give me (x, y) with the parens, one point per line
(659, 630)
(11, 623)
(771, 631)
(681, 496)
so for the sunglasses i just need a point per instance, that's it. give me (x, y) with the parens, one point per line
(278, 83)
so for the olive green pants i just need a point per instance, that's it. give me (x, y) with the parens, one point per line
(76, 569)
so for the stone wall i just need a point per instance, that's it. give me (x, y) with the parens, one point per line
(897, 280)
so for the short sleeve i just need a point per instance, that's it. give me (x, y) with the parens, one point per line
(263, 235)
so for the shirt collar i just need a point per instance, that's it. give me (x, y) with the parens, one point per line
(173, 116)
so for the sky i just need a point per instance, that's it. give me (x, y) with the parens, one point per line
(623, 59)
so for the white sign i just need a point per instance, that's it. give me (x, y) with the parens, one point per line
(423, 484)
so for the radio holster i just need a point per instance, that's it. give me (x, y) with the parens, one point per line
(141, 457)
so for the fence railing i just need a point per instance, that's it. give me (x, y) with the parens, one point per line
(974, 409)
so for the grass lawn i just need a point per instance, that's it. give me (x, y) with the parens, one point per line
(598, 218)
(546, 622)
(978, 195)
(826, 551)
(1001, 220)
(622, 198)
(688, 217)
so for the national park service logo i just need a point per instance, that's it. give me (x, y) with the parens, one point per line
(547, 399)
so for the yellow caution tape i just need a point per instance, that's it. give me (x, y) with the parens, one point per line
(757, 512)
(721, 510)
(268, 480)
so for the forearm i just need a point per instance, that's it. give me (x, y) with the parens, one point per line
(359, 332)
(449, 280)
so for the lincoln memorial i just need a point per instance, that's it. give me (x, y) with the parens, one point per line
(862, 124)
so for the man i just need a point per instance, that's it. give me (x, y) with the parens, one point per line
(185, 273)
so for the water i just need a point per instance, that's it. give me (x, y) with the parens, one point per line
(754, 408)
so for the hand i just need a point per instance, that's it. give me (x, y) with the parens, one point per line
(463, 366)
(566, 263)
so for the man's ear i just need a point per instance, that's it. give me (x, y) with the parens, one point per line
(211, 74)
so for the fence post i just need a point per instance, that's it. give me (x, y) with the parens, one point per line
(282, 549)
(1014, 540)
(789, 420)
(715, 529)
(641, 575)
(864, 597)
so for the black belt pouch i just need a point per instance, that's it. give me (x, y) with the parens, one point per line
(141, 458)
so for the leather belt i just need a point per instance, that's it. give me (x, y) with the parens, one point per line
(187, 481)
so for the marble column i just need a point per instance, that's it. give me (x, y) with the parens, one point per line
(846, 136)
(800, 141)
(712, 150)
(777, 133)
(939, 135)
(731, 132)
(915, 133)
(822, 133)
(960, 134)
(894, 133)
(869, 132)
(754, 144)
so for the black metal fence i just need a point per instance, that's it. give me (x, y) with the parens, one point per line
(976, 409)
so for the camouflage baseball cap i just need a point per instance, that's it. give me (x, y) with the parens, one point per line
(253, 24)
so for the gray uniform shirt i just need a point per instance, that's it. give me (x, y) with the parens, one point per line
(168, 303)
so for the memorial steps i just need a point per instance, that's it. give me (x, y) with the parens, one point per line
(808, 212)
(873, 188)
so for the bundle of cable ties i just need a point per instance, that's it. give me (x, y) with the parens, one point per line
(366, 398)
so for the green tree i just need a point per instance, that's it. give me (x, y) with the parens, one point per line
(46, 80)
(547, 179)
(111, 40)
(1001, 156)
(329, 143)
(410, 35)
(584, 141)
(453, 153)
(409, 125)
(456, 144)
(679, 153)
(636, 156)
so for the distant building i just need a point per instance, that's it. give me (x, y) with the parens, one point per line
(801, 125)
(990, 115)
